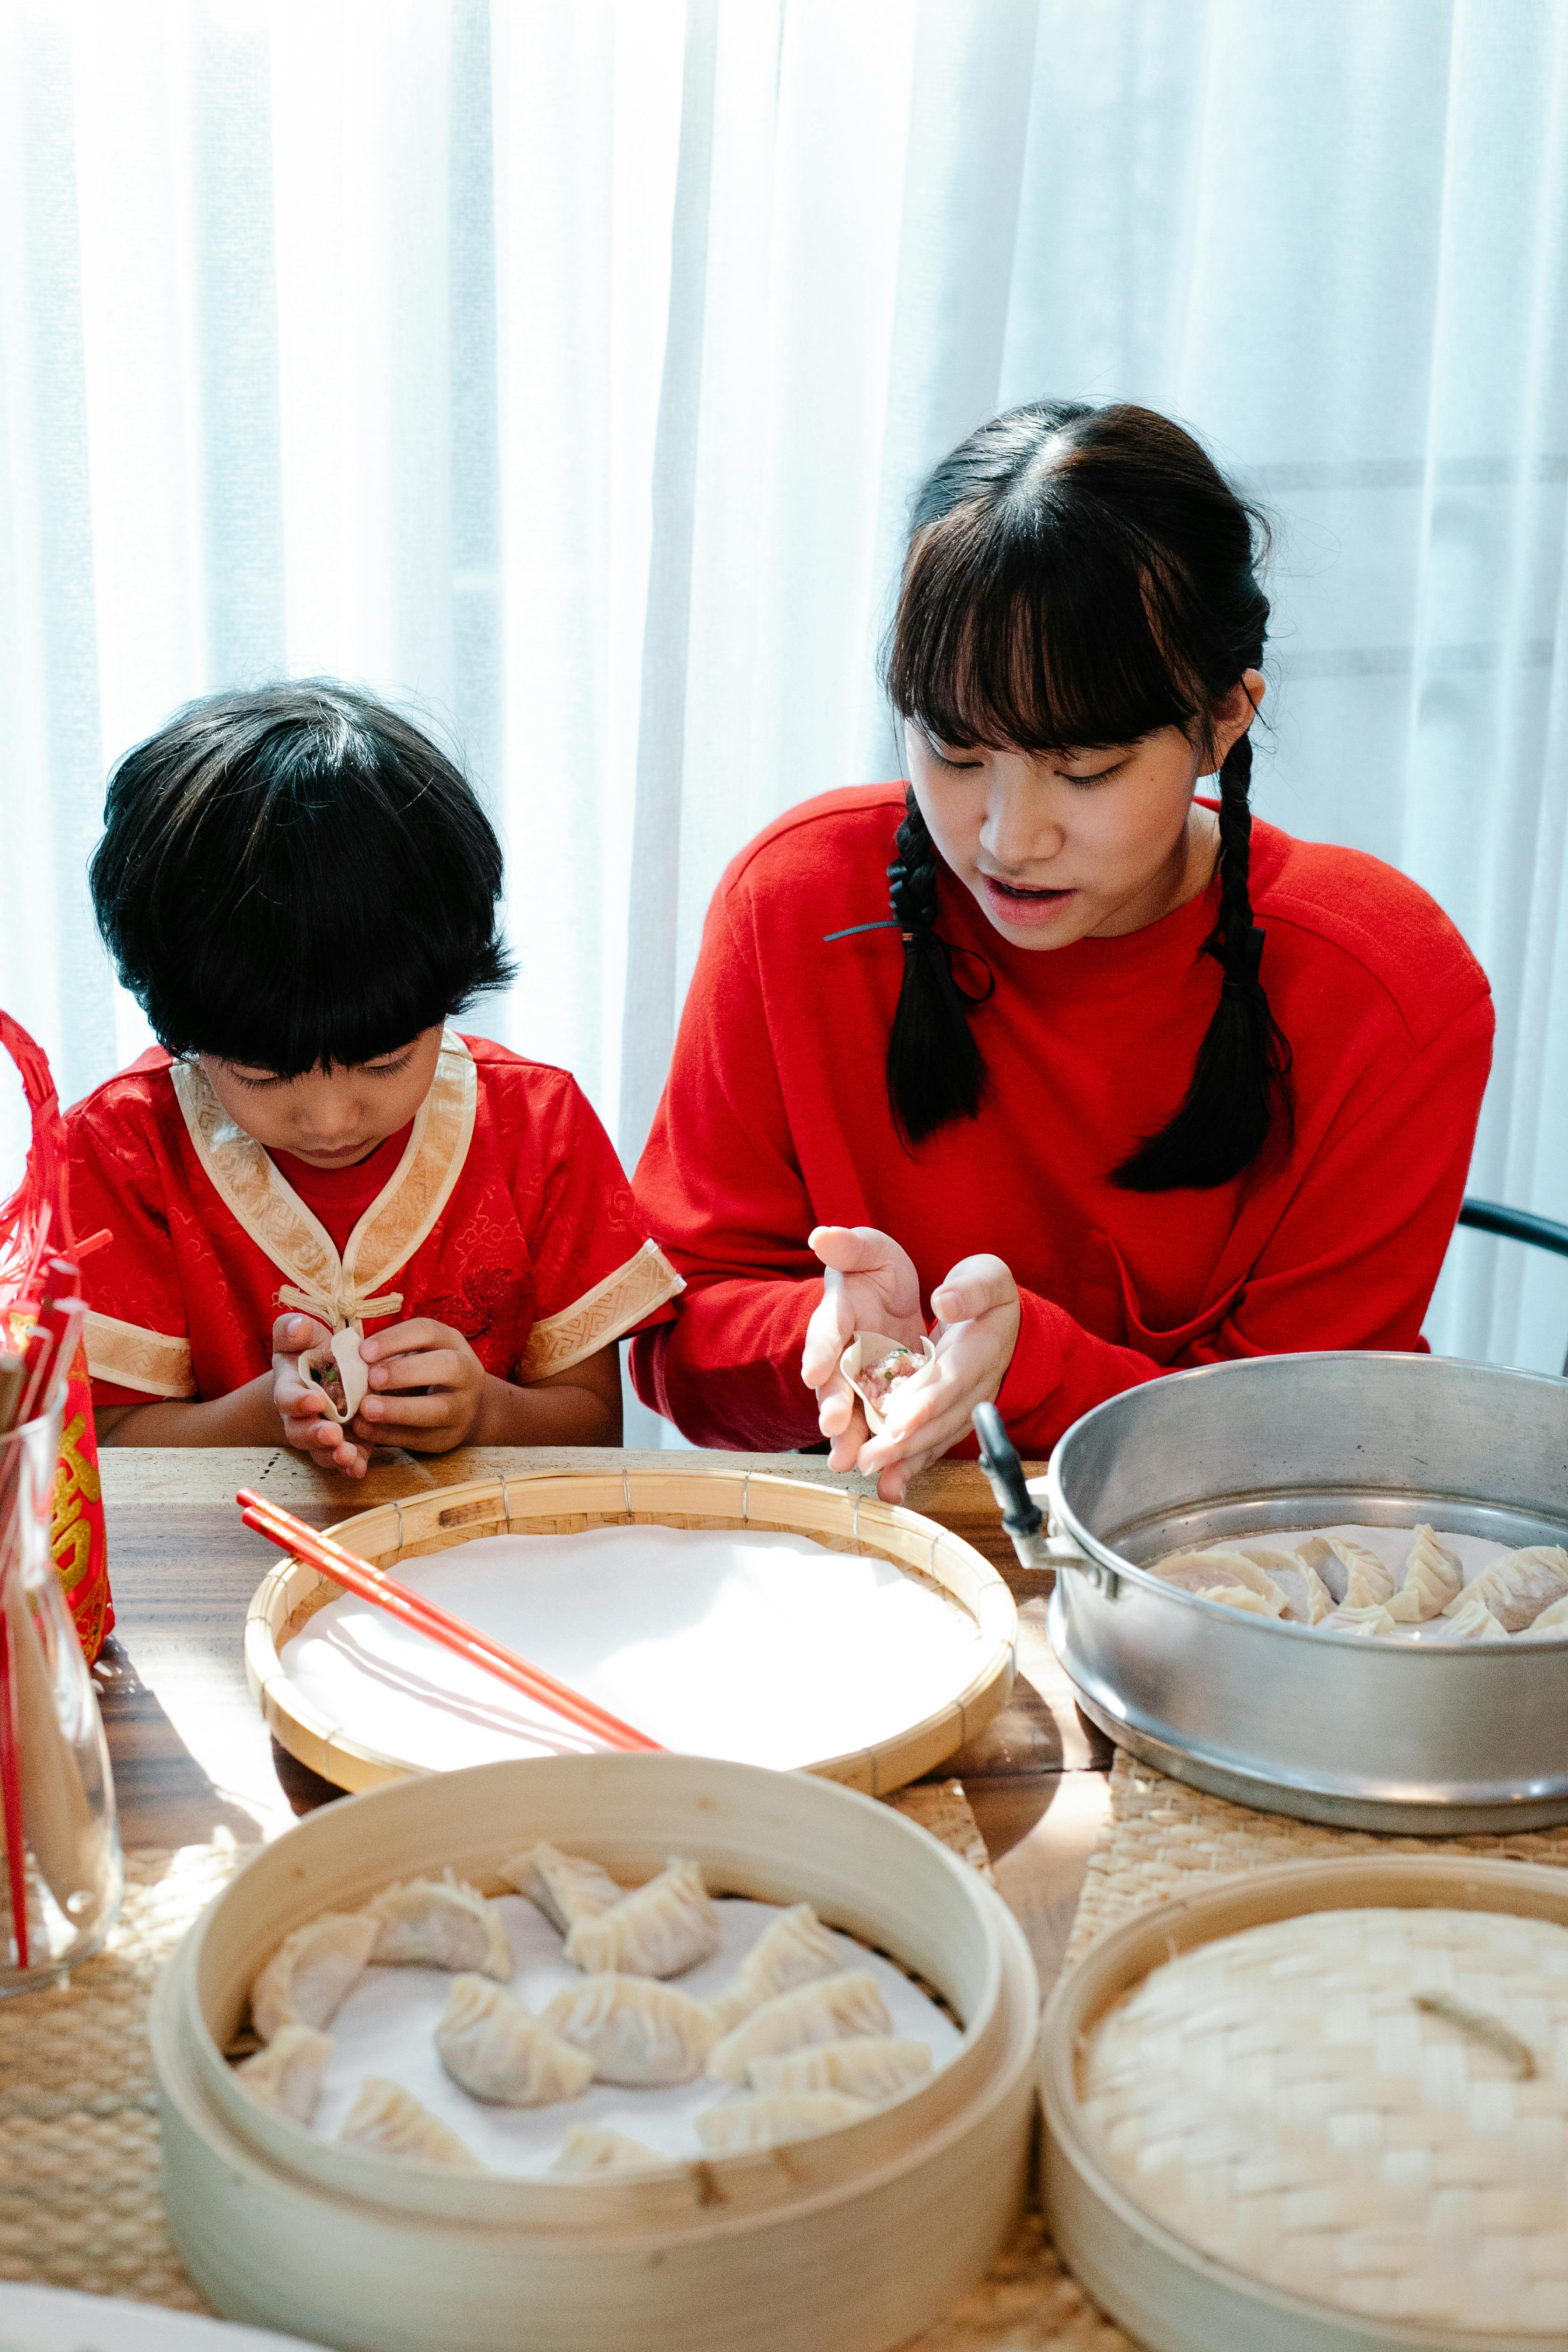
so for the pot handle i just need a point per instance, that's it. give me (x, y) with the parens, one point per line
(1036, 1545)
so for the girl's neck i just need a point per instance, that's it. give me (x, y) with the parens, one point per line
(1186, 872)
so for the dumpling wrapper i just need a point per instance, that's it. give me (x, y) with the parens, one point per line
(594, 2151)
(390, 2121)
(1430, 1583)
(286, 2077)
(1519, 1586)
(565, 1886)
(1368, 1617)
(496, 2051)
(795, 1950)
(439, 1923)
(879, 2069)
(1356, 1577)
(352, 1371)
(1219, 1575)
(1472, 1620)
(1552, 1624)
(636, 2031)
(657, 1930)
(1307, 1599)
(311, 1974)
(1241, 1596)
(868, 1347)
(739, 2125)
(834, 2009)
(1292, 1579)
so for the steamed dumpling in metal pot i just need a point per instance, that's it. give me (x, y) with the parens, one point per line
(1221, 1576)
(1356, 1577)
(1519, 1585)
(1430, 1582)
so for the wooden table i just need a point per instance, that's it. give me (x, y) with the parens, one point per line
(193, 1757)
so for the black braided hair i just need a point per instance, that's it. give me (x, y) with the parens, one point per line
(1223, 1120)
(1077, 578)
(935, 1069)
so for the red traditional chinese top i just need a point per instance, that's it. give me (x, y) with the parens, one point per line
(776, 1118)
(502, 1212)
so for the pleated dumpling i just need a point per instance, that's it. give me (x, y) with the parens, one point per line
(1355, 1577)
(311, 1974)
(1430, 1582)
(1472, 1620)
(738, 2126)
(439, 1923)
(794, 1950)
(1217, 1574)
(493, 2049)
(565, 1886)
(834, 2009)
(1552, 1624)
(874, 2069)
(390, 2121)
(1519, 1585)
(286, 2077)
(1370, 1618)
(657, 1930)
(635, 2031)
(1242, 1596)
(1307, 1599)
(594, 2151)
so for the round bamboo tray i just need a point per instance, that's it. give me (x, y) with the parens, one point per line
(849, 2243)
(566, 1503)
(1168, 2293)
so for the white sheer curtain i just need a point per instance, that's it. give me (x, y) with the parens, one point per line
(563, 367)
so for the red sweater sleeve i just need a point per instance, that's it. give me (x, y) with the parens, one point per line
(719, 1181)
(1352, 1262)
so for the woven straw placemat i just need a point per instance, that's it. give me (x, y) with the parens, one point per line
(79, 2103)
(1162, 1838)
(78, 2119)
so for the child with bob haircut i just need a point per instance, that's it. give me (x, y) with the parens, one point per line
(299, 889)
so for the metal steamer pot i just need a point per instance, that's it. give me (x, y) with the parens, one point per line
(1432, 1738)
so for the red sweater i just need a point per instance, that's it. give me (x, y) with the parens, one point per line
(776, 1118)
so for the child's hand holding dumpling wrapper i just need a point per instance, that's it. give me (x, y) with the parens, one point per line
(417, 1384)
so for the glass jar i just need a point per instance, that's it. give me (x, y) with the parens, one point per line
(57, 1795)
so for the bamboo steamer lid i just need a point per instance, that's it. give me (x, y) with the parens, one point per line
(1327, 2106)
(848, 2243)
(570, 1501)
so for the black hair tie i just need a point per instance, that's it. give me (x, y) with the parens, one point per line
(1242, 959)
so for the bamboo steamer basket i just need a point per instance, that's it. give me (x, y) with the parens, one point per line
(848, 2243)
(1169, 2294)
(565, 1503)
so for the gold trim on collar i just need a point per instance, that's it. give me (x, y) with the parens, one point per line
(601, 1314)
(338, 1290)
(134, 1357)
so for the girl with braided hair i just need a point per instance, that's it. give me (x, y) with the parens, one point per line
(1113, 1079)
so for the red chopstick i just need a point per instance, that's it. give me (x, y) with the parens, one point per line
(427, 1617)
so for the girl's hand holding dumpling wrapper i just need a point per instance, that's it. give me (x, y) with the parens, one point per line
(871, 1284)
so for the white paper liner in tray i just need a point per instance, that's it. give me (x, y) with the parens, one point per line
(762, 1648)
(387, 2027)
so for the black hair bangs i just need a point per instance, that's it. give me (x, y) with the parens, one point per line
(1018, 630)
(297, 880)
